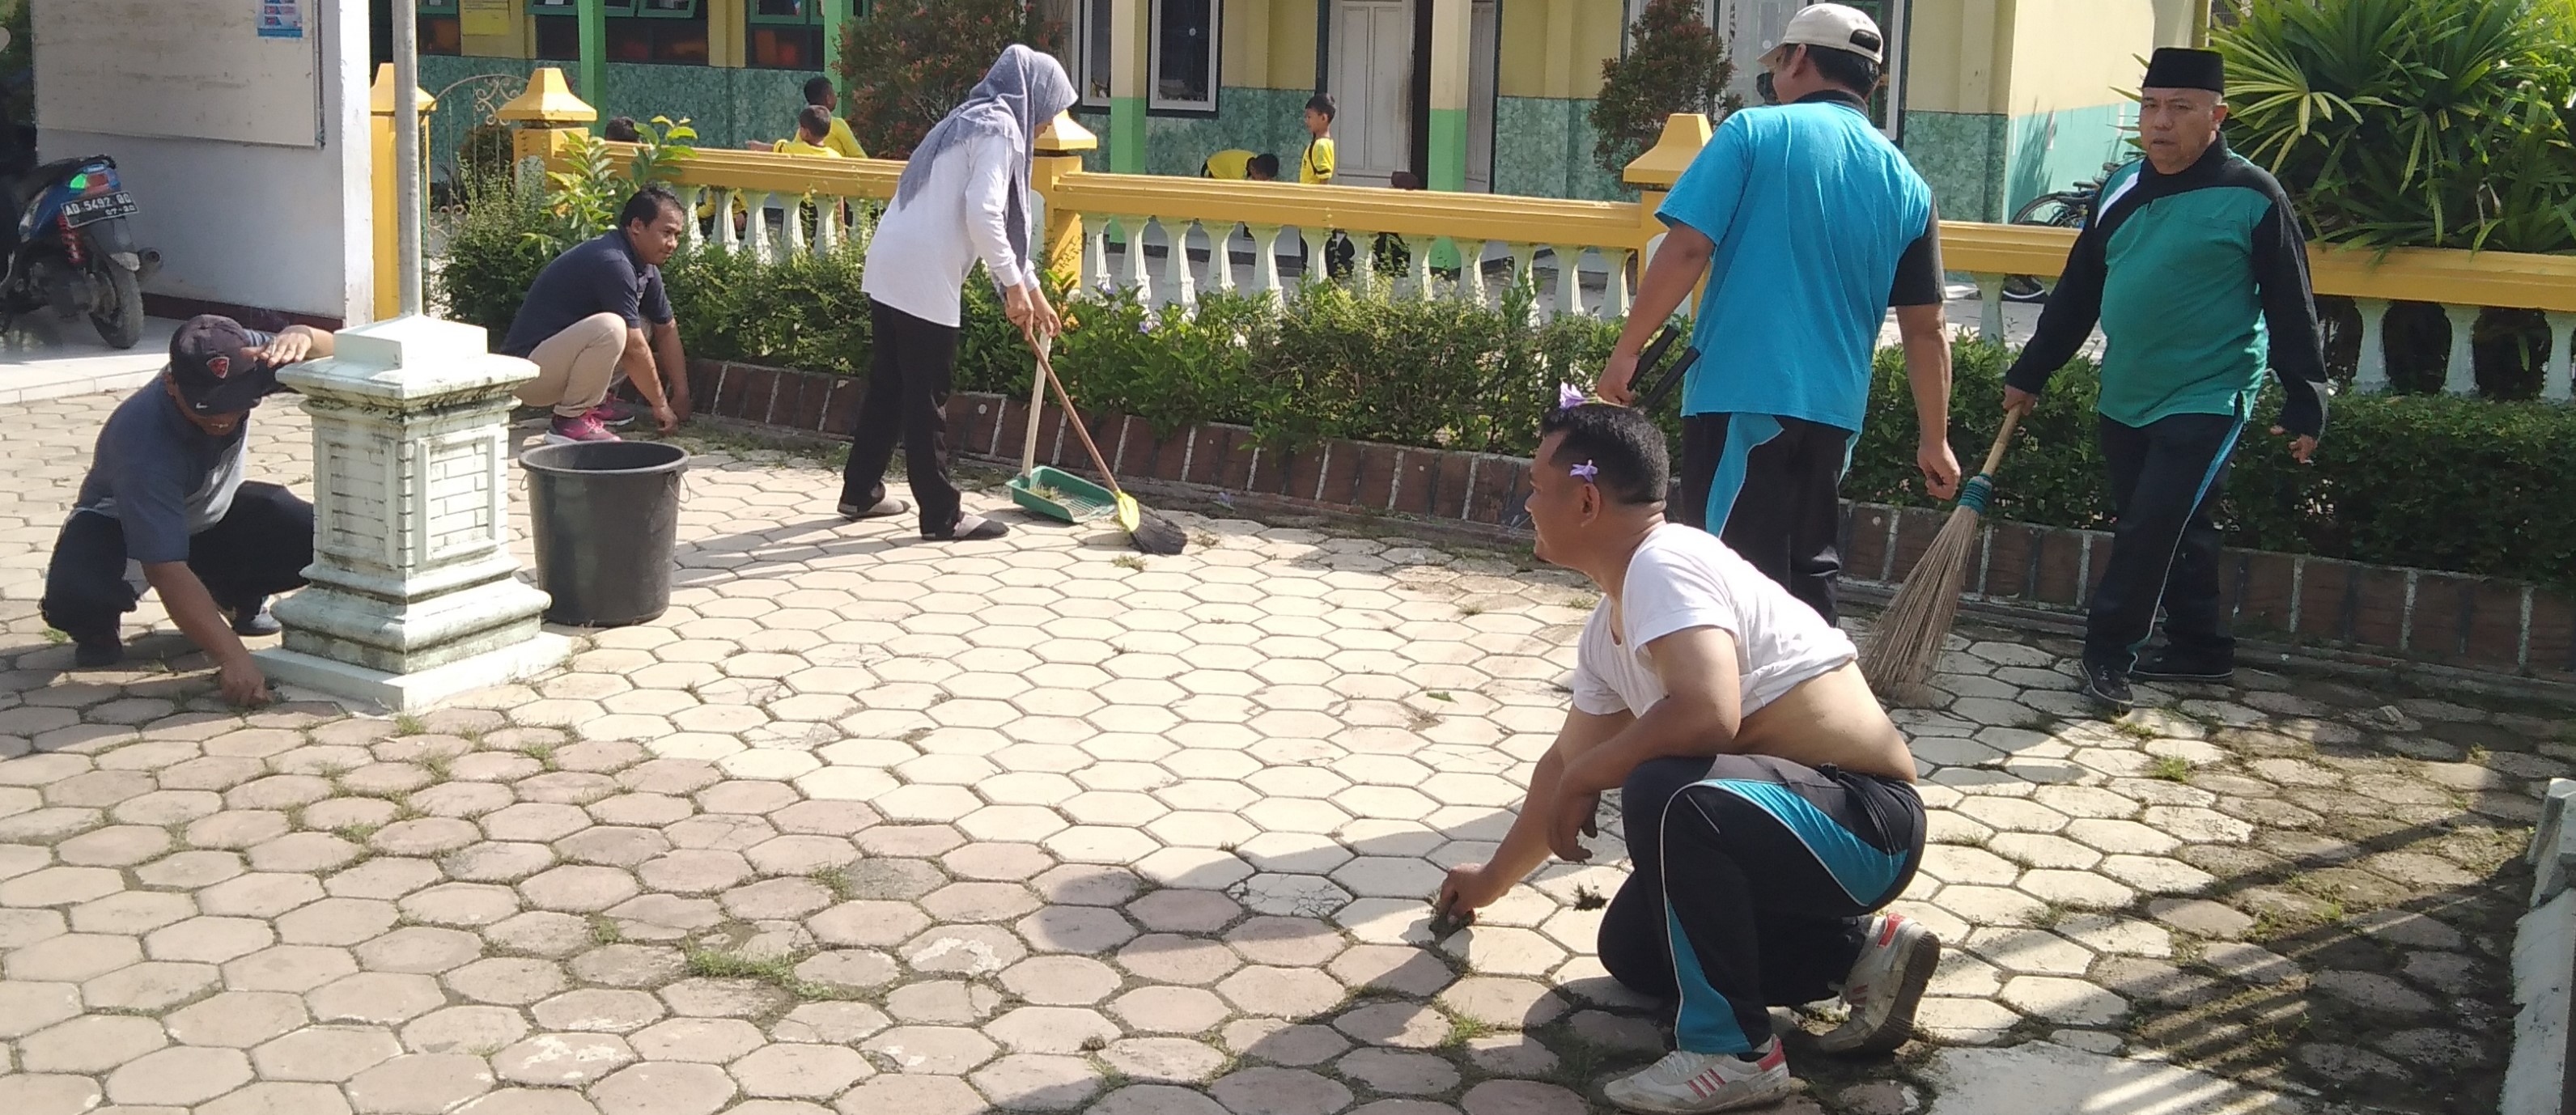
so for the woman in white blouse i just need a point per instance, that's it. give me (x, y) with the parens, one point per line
(963, 199)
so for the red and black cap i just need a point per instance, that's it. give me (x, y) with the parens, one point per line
(213, 372)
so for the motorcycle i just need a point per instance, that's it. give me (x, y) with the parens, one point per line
(76, 253)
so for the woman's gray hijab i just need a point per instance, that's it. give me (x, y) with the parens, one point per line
(1017, 98)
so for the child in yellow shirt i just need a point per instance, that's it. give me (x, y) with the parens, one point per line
(1316, 168)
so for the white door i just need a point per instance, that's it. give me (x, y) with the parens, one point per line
(1372, 69)
(1480, 99)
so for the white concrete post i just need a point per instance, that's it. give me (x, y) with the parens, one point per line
(414, 596)
(2554, 383)
(2370, 372)
(1990, 321)
(2460, 373)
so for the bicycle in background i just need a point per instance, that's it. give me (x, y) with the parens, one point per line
(2065, 208)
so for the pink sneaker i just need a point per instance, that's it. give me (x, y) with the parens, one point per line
(613, 413)
(568, 431)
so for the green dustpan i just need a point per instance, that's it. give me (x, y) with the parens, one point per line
(1058, 494)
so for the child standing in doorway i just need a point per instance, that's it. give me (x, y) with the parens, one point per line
(1316, 168)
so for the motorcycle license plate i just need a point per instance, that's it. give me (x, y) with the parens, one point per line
(89, 210)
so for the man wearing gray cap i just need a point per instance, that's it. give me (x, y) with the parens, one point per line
(1809, 224)
(2193, 264)
(165, 505)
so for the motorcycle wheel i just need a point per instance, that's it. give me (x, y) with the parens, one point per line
(121, 325)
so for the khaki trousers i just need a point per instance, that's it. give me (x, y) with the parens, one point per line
(576, 367)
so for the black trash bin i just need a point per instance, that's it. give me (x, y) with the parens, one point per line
(605, 514)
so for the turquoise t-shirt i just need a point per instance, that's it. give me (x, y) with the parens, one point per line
(1812, 211)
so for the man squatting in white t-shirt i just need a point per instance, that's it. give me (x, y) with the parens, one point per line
(1768, 800)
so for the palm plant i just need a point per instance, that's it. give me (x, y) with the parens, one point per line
(2442, 123)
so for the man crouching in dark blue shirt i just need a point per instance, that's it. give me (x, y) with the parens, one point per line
(165, 492)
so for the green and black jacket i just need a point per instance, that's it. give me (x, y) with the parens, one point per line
(2199, 281)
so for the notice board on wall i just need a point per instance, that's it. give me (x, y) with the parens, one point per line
(248, 71)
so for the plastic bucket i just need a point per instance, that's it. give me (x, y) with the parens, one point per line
(605, 515)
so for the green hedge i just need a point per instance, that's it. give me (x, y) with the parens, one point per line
(2458, 484)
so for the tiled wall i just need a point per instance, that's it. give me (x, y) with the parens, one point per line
(1543, 148)
(727, 106)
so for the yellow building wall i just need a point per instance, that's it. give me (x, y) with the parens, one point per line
(2077, 53)
(520, 42)
(1269, 44)
(1955, 56)
(1554, 48)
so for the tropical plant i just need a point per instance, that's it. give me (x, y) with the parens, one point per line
(2434, 123)
(661, 146)
(910, 61)
(1674, 63)
(585, 197)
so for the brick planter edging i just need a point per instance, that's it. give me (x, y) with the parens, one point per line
(2483, 623)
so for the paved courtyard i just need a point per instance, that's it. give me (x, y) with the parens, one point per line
(870, 826)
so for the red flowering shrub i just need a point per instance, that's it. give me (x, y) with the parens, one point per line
(910, 61)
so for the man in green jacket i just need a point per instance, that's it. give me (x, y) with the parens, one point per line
(2193, 264)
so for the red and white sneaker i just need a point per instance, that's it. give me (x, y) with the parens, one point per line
(1885, 986)
(613, 413)
(1686, 1083)
(572, 431)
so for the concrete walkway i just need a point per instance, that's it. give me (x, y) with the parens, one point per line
(42, 357)
(890, 828)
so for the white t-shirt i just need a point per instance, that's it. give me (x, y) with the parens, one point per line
(923, 249)
(1681, 578)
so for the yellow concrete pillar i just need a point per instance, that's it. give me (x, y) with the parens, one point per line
(547, 114)
(1559, 72)
(1128, 84)
(380, 98)
(1452, 27)
(1654, 173)
(727, 31)
(1059, 153)
(1246, 48)
(496, 29)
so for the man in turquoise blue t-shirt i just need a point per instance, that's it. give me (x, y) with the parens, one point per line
(1809, 224)
(2193, 264)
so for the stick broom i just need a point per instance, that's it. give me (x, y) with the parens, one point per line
(1899, 654)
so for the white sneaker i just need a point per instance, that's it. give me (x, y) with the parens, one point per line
(1885, 986)
(1686, 1083)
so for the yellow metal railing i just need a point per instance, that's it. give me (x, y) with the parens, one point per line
(1615, 237)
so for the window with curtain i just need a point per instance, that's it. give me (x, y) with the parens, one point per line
(1184, 55)
(439, 31)
(783, 34)
(1088, 42)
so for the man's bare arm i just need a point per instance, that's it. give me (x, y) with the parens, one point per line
(194, 610)
(1524, 848)
(674, 365)
(1699, 715)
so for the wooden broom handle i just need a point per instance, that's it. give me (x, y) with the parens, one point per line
(1047, 369)
(2003, 438)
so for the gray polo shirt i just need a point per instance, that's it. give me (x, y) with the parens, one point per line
(160, 476)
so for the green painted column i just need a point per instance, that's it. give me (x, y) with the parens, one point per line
(594, 56)
(1127, 84)
(832, 44)
(1452, 26)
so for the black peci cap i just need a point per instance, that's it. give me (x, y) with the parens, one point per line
(2176, 67)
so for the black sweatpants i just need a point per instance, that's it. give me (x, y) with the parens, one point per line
(1770, 487)
(259, 549)
(2166, 478)
(1751, 877)
(909, 376)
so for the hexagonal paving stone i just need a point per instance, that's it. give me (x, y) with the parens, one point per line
(180, 1075)
(328, 1054)
(420, 1084)
(90, 1045)
(562, 1060)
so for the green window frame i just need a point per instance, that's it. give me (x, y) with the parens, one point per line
(633, 9)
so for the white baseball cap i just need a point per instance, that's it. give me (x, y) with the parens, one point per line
(1837, 27)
